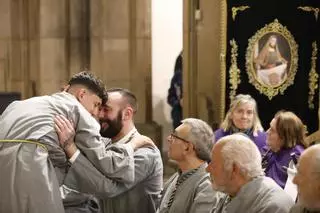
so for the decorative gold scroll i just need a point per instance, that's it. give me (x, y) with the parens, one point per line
(313, 75)
(236, 9)
(315, 10)
(272, 83)
(234, 71)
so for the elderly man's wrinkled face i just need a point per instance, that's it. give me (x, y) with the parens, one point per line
(220, 178)
(308, 183)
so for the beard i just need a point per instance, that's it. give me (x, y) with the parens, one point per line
(114, 126)
(223, 186)
(220, 188)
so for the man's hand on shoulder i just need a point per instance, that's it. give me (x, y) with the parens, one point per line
(141, 141)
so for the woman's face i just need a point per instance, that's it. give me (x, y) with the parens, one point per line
(273, 41)
(273, 139)
(243, 115)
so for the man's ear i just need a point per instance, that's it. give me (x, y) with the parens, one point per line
(128, 113)
(236, 170)
(81, 93)
(189, 147)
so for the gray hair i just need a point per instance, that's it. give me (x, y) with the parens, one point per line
(240, 150)
(235, 103)
(200, 136)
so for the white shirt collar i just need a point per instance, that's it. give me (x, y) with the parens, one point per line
(126, 138)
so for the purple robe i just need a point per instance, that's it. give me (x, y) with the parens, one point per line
(259, 140)
(276, 161)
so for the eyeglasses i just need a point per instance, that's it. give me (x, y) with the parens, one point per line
(172, 136)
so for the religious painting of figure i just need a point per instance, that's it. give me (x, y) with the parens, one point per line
(271, 59)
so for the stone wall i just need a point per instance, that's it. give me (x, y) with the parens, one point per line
(44, 42)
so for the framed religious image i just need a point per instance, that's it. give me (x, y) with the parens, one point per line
(272, 59)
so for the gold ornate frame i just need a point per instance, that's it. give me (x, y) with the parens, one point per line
(268, 90)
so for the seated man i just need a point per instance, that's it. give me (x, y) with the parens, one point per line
(189, 190)
(308, 181)
(236, 170)
(33, 165)
(140, 196)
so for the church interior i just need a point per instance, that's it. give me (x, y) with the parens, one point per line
(201, 56)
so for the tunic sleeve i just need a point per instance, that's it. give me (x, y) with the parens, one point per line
(84, 177)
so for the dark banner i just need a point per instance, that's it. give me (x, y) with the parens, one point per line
(275, 49)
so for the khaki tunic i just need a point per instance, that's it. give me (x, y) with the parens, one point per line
(261, 195)
(194, 195)
(30, 175)
(140, 196)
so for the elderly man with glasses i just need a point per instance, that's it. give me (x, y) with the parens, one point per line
(189, 190)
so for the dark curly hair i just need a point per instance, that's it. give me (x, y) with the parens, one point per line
(91, 82)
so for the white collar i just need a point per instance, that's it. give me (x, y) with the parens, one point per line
(127, 137)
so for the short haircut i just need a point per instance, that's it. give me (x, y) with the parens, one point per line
(240, 150)
(290, 129)
(91, 82)
(128, 96)
(200, 136)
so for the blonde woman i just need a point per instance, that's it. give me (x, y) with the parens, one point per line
(243, 117)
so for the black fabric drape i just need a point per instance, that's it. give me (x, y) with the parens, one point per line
(305, 30)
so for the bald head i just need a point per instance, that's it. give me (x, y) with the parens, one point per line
(312, 155)
(308, 178)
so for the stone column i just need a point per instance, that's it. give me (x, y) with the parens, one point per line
(121, 47)
(202, 80)
(110, 41)
(121, 52)
(78, 36)
(5, 43)
(43, 42)
(141, 69)
(53, 70)
(14, 44)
